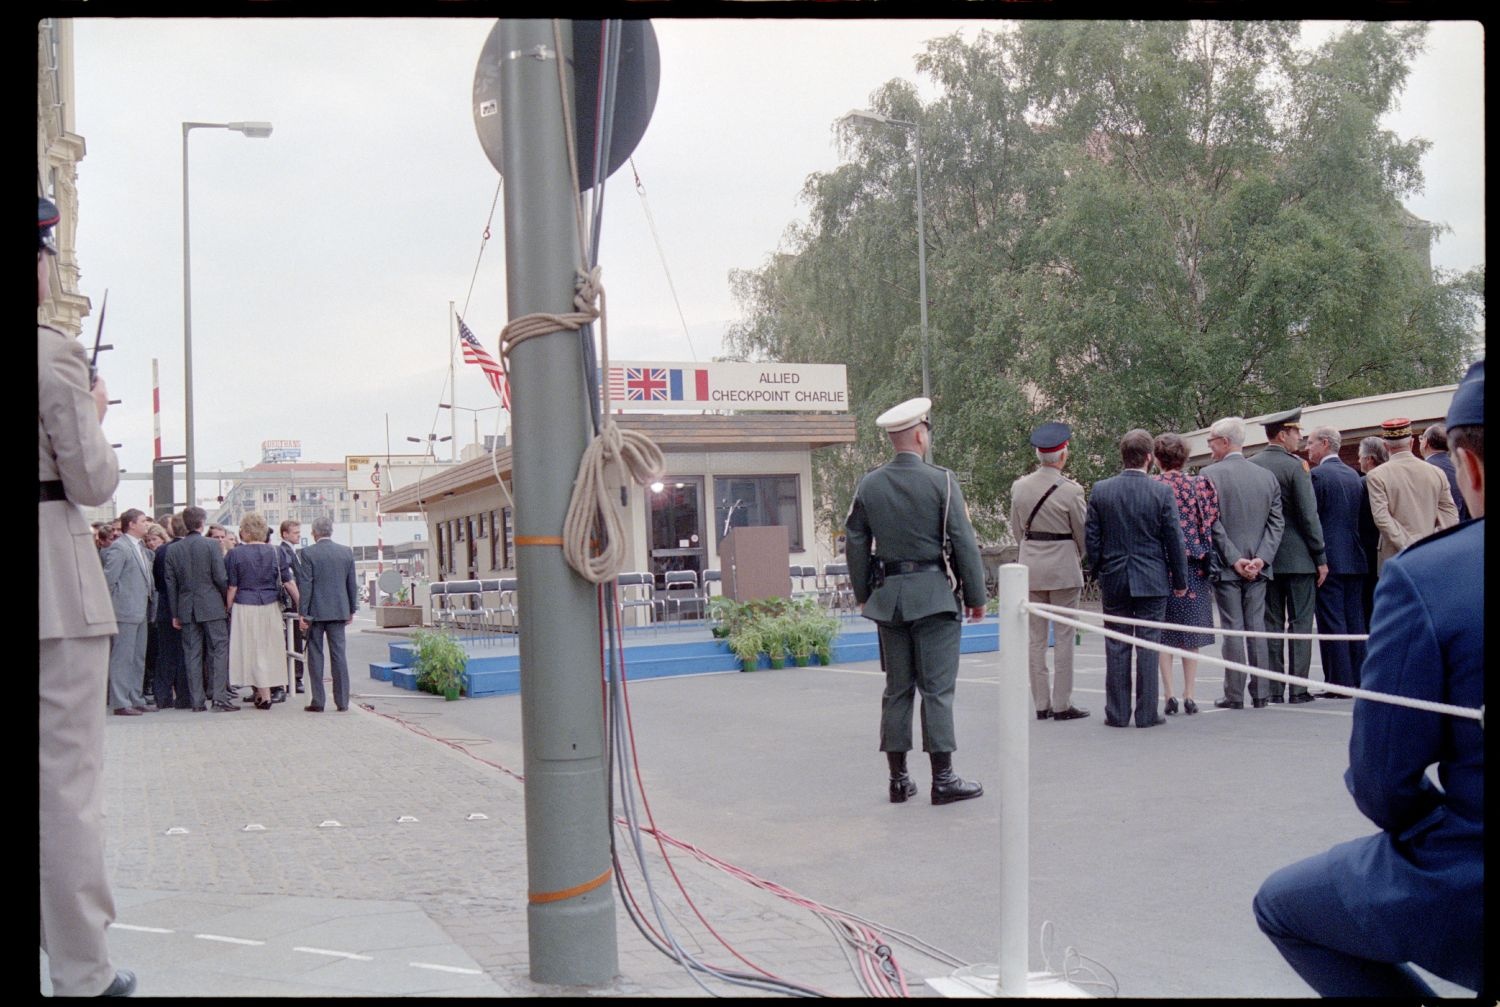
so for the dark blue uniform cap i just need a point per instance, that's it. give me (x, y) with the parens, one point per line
(1467, 408)
(46, 217)
(1051, 436)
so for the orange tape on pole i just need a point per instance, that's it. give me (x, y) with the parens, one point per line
(568, 893)
(539, 540)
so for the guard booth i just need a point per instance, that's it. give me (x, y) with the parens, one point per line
(726, 473)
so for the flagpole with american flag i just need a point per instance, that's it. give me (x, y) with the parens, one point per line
(494, 371)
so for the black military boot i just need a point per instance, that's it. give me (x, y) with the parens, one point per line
(902, 786)
(946, 786)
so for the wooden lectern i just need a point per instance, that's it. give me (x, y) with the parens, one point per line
(756, 563)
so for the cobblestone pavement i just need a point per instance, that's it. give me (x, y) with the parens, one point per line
(262, 895)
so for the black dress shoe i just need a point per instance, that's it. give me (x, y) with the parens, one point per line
(1331, 695)
(1276, 699)
(1260, 704)
(902, 787)
(1043, 714)
(226, 708)
(1189, 707)
(1232, 704)
(1160, 720)
(122, 986)
(1071, 713)
(312, 708)
(300, 689)
(1171, 706)
(1113, 723)
(1301, 697)
(200, 708)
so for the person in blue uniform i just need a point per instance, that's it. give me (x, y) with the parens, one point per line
(1353, 920)
(906, 517)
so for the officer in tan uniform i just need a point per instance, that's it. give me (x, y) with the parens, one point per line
(1047, 516)
(1406, 501)
(75, 466)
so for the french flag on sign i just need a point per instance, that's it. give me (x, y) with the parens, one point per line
(688, 385)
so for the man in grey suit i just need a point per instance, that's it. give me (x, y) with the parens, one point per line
(1134, 542)
(196, 580)
(328, 598)
(127, 571)
(1246, 537)
(904, 516)
(1435, 453)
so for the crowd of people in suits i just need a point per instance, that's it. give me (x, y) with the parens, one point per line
(1273, 543)
(200, 612)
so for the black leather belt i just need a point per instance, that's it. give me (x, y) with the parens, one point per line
(51, 491)
(1048, 536)
(894, 567)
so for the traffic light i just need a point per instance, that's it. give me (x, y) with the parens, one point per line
(163, 503)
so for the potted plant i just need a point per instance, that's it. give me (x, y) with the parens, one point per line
(801, 638)
(440, 662)
(777, 633)
(824, 628)
(746, 642)
(723, 615)
(398, 611)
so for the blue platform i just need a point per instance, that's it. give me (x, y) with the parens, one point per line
(494, 667)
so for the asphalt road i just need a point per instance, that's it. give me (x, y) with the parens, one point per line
(1146, 845)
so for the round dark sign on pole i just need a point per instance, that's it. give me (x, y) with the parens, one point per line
(637, 82)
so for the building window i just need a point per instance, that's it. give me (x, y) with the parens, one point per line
(496, 556)
(758, 501)
(269, 496)
(343, 495)
(510, 539)
(344, 514)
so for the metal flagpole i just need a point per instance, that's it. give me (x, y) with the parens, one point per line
(570, 917)
(452, 387)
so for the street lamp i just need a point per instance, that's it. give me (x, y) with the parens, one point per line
(259, 130)
(868, 115)
(430, 441)
(470, 409)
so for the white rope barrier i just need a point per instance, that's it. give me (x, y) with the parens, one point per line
(1276, 676)
(1125, 620)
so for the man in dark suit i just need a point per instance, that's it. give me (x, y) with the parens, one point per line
(328, 599)
(1246, 537)
(1351, 919)
(1300, 564)
(290, 559)
(1134, 542)
(908, 510)
(170, 683)
(197, 580)
(1344, 515)
(1435, 452)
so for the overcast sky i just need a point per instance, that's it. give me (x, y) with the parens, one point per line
(324, 258)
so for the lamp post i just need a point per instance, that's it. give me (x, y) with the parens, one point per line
(259, 130)
(470, 409)
(867, 115)
(432, 440)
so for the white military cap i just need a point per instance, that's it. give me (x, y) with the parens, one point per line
(904, 416)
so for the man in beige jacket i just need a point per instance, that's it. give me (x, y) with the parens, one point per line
(1409, 499)
(1047, 520)
(75, 466)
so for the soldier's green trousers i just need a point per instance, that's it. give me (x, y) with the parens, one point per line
(919, 656)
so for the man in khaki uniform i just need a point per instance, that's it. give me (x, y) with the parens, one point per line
(1047, 517)
(1409, 499)
(75, 466)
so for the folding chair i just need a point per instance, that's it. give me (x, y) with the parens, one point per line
(679, 586)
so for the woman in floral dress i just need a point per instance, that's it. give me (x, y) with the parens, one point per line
(1197, 510)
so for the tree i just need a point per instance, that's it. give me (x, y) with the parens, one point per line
(1130, 224)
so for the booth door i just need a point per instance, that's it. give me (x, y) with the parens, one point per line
(676, 531)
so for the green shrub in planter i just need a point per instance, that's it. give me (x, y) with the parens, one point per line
(747, 642)
(440, 662)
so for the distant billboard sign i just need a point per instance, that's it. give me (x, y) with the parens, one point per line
(393, 472)
(280, 451)
(655, 386)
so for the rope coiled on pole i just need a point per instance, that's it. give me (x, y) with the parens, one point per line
(598, 558)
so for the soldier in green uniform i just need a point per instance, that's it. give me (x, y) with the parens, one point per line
(1300, 564)
(906, 515)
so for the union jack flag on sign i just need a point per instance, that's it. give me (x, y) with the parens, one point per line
(646, 384)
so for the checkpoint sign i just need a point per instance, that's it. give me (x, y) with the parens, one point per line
(394, 471)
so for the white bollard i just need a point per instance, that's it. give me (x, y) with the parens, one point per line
(1014, 789)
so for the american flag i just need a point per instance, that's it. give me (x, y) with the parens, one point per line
(474, 353)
